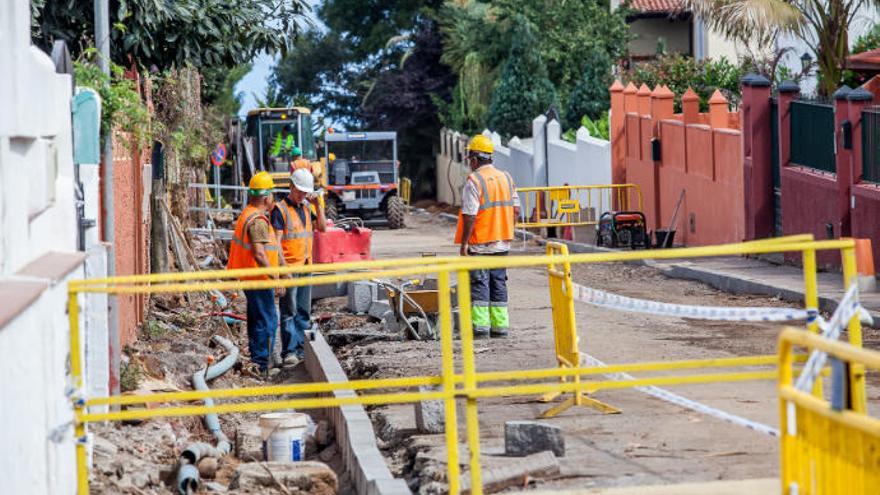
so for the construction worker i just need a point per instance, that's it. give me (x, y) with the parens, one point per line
(254, 244)
(299, 162)
(284, 143)
(489, 206)
(293, 224)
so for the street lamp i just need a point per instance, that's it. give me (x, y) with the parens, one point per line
(806, 62)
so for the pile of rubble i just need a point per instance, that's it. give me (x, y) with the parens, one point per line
(177, 340)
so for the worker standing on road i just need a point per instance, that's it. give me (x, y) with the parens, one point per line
(293, 224)
(254, 245)
(284, 143)
(489, 206)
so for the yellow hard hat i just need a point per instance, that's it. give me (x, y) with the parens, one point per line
(481, 144)
(261, 184)
(332, 156)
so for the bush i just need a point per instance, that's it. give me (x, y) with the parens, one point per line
(590, 95)
(524, 90)
(680, 72)
(599, 128)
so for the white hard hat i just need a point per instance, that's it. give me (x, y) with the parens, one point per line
(303, 180)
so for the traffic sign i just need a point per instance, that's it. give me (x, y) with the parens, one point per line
(218, 156)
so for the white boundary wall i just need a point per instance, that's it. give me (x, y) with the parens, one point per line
(38, 255)
(585, 162)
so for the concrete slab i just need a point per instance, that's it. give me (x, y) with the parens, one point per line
(737, 487)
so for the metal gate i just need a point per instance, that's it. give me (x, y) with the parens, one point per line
(871, 144)
(812, 135)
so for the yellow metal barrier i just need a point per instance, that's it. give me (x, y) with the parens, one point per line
(826, 450)
(573, 206)
(565, 333)
(453, 386)
(404, 188)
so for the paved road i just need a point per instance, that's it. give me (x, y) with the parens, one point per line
(652, 442)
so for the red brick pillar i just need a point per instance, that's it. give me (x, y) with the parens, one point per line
(757, 151)
(788, 92)
(690, 107)
(859, 99)
(843, 162)
(618, 138)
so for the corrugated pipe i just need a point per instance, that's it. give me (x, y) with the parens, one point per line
(188, 474)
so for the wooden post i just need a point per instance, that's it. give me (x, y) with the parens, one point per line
(718, 111)
(618, 141)
(630, 101)
(644, 100)
(662, 103)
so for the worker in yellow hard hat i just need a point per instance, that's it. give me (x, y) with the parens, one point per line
(254, 244)
(489, 206)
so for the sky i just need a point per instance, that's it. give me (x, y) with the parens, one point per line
(255, 81)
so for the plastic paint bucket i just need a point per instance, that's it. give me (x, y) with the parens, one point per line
(283, 436)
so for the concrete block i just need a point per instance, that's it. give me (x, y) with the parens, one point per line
(360, 296)
(249, 444)
(378, 309)
(496, 479)
(324, 291)
(306, 477)
(430, 416)
(529, 437)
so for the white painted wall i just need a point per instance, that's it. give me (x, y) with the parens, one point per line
(585, 162)
(37, 216)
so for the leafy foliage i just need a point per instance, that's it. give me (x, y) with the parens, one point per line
(218, 88)
(821, 25)
(866, 42)
(590, 97)
(121, 105)
(524, 90)
(680, 73)
(599, 128)
(161, 34)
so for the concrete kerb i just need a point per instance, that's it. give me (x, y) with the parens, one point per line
(687, 271)
(353, 428)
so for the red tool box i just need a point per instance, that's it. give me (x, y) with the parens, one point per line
(346, 242)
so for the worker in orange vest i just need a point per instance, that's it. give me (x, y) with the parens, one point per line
(293, 224)
(489, 206)
(254, 245)
(298, 161)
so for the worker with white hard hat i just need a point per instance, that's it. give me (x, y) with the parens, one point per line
(294, 225)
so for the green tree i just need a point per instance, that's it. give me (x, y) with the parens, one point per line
(524, 90)
(822, 24)
(218, 88)
(160, 34)
(590, 95)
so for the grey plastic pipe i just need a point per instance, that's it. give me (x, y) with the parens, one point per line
(188, 474)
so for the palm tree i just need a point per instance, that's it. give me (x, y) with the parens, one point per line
(822, 24)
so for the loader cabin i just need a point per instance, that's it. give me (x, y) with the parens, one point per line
(263, 125)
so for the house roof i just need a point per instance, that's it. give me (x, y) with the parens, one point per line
(869, 61)
(656, 6)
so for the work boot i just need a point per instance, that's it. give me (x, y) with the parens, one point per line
(481, 333)
(290, 361)
(498, 333)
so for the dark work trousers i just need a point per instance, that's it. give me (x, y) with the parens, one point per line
(489, 299)
(262, 320)
(296, 313)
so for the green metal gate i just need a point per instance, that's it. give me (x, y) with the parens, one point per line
(812, 135)
(871, 144)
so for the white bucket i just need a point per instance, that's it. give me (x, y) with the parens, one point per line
(283, 436)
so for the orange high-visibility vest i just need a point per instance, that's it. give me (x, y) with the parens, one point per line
(495, 217)
(296, 239)
(240, 255)
(300, 163)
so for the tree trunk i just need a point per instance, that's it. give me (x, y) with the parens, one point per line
(158, 229)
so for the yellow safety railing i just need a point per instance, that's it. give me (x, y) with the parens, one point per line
(574, 206)
(467, 385)
(827, 448)
(404, 188)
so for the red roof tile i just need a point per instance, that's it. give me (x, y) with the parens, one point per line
(869, 60)
(656, 5)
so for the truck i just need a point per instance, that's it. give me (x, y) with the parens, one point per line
(263, 126)
(362, 175)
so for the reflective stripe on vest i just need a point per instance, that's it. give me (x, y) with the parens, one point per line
(240, 255)
(296, 239)
(494, 219)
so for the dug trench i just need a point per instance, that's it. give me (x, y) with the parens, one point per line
(651, 442)
(142, 457)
